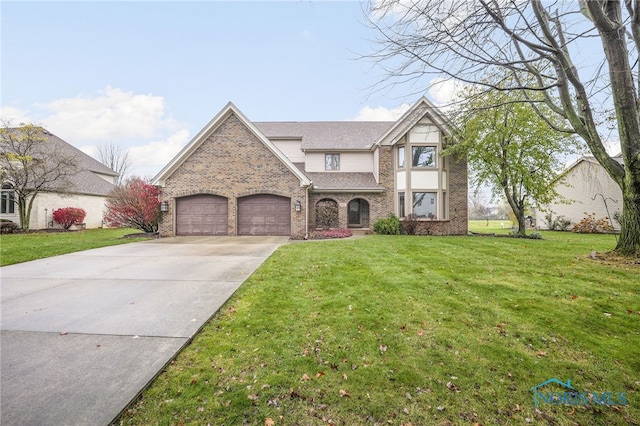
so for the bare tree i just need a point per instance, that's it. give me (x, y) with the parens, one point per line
(116, 158)
(479, 208)
(32, 161)
(537, 42)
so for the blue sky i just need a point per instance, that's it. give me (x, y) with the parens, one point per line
(149, 75)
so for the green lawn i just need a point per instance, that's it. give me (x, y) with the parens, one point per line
(16, 248)
(406, 330)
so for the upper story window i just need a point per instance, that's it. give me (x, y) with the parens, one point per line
(332, 161)
(423, 156)
(7, 200)
(400, 156)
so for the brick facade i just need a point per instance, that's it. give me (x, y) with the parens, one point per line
(382, 204)
(228, 159)
(232, 162)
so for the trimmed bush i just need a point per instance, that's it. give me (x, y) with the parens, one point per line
(69, 216)
(387, 226)
(8, 227)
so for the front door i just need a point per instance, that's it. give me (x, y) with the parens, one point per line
(358, 216)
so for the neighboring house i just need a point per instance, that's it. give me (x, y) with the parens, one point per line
(88, 190)
(237, 177)
(584, 188)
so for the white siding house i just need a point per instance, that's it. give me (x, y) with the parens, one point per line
(88, 190)
(586, 188)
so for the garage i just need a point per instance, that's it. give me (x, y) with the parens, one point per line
(264, 214)
(202, 214)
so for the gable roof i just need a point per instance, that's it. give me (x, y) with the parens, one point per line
(327, 135)
(411, 117)
(215, 122)
(86, 181)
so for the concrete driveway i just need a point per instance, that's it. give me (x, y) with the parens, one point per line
(84, 333)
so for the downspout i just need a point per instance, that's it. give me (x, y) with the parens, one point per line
(306, 214)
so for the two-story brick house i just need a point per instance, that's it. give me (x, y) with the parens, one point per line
(238, 177)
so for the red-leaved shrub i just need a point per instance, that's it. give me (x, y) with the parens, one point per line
(134, 205)
(69, 216)
(333, 233)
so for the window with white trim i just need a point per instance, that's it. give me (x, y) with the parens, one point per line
(332, 161)
(7, 200)
(423, 156)
(425, 205)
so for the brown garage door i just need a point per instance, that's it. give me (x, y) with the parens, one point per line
(201, 215)
(264, 215)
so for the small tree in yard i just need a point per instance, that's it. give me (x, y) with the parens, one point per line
(510, 148)
(134, 205)
(69, 216)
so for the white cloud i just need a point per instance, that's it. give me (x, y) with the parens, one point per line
(381, 113)
(139, 123)
(445, 92)
(147, 160)
(111, 115)
(14, 116)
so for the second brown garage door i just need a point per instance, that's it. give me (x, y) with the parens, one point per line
(202, 215)
(264, 215)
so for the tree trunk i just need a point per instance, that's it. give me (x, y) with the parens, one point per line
(522, 224)
(24, 213)
(629, 241)
(518, 211)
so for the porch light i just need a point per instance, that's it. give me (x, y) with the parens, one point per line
(164, 206)
(298, 206)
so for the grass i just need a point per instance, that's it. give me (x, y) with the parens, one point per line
(17, 248)
(405, 330)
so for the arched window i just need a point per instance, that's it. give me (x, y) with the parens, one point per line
(358, 214)
(326, 214)
(7, 200)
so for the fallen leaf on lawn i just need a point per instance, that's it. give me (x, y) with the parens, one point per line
(269, 422)
(294, 394)
(607, 314)
(201, 409)
(344, 393)
(406, 410)
(629, 311)
(194, 381)
(452, 386)
(420, 333)
(440, 408)
(573, 296)
(383, 348)
(344, 376)
(305, 377)
(253, 397)
(541, 353)
(500, 325)
(320, 374)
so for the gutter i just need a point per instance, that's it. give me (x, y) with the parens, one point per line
(346, 190)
